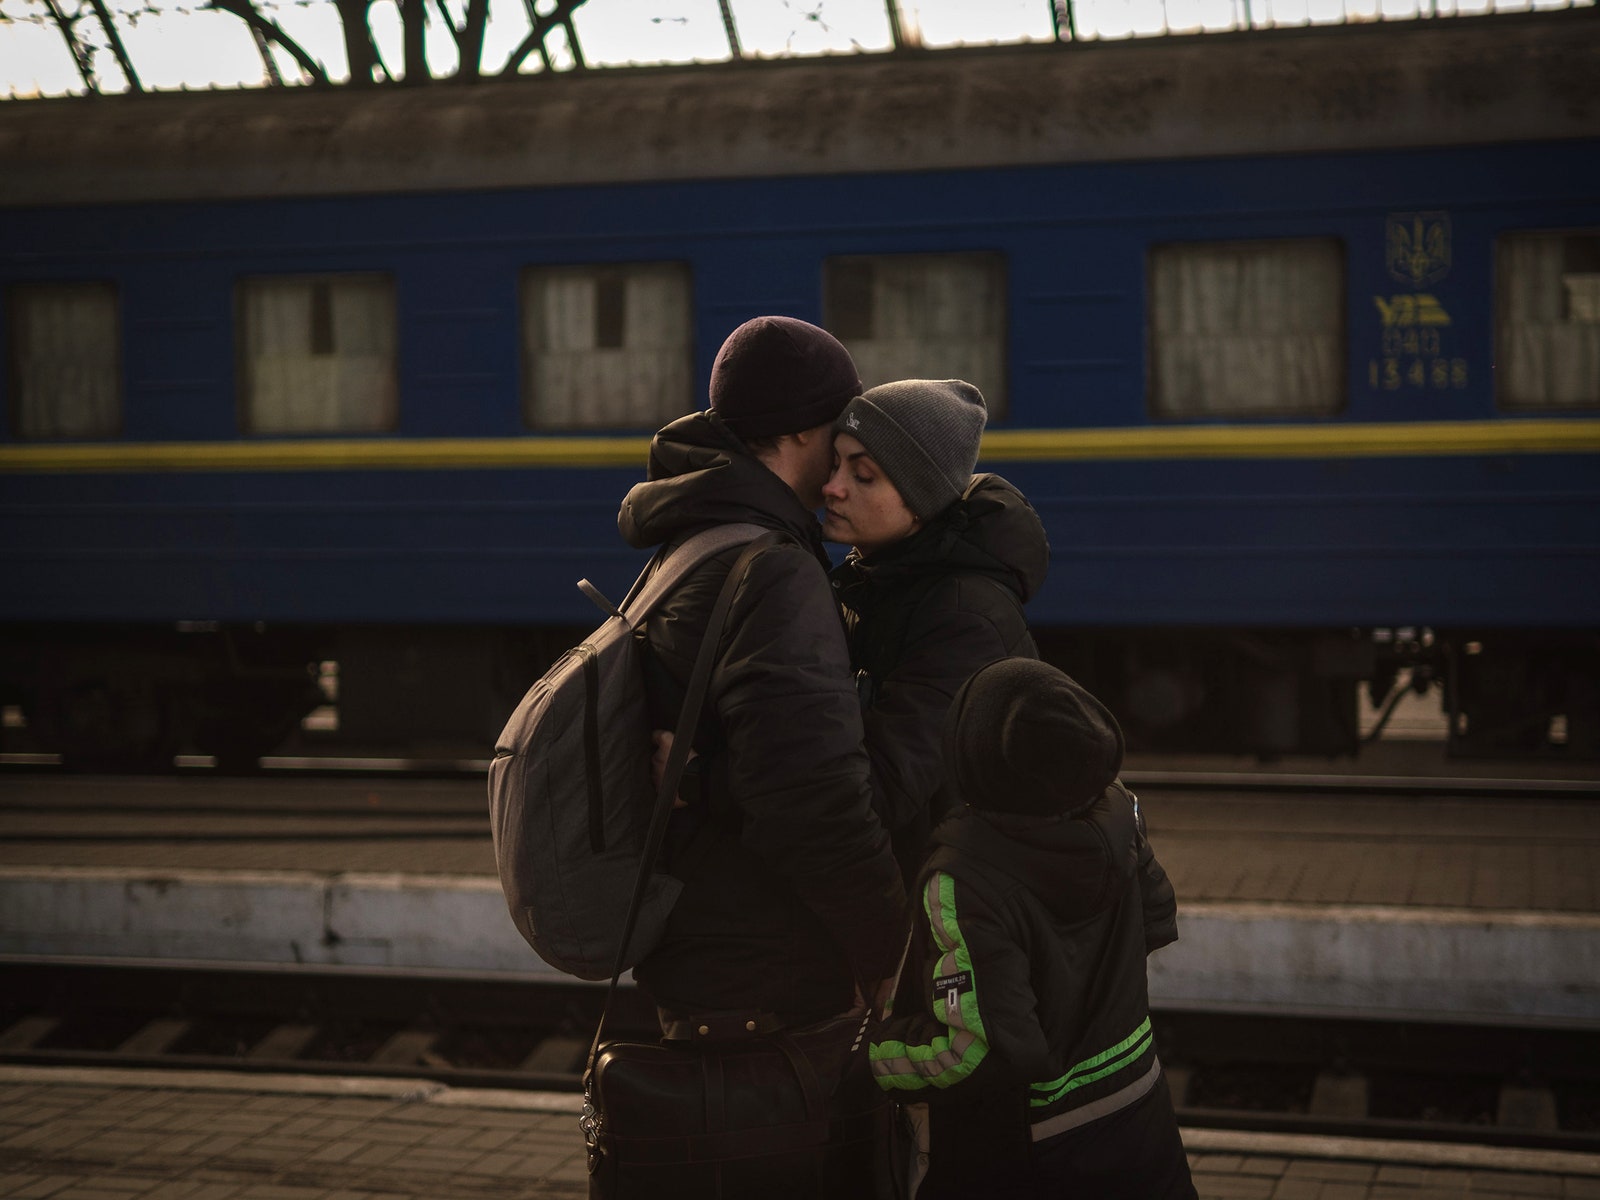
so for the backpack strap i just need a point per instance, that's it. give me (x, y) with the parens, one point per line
(636, 608)
(667, 569)
(674, 566)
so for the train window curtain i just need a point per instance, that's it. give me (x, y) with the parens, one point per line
(1247, 328)
(318, 354)
(65, 360)
(607, 346)
(1548, 320)
(922, 316)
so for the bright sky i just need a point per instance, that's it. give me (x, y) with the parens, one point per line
(177, 43)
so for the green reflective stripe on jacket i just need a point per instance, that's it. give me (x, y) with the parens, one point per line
(1108, 1062)
(943, 1060)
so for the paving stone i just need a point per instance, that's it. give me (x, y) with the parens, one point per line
(150, 1118)
(217, 1144)
(1346, 1172)
(393, 1133)
(108, 1187)
(34, 1187)
(211, 1146)
(1234, 1187)
(288, 1104)
(1397, 1175)
(1515, 1183)
(201, 1191)
(376, 1154)
(15, 1112)
(503, 1163)
(1237, 1188)
(492, 1139)
(61, 1135)
(335, 1152)
(176, 1144)
(1227, 1164)
(1263, 1166)
(436, 1159)
(277, 1148)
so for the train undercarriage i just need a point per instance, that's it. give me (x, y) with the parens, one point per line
(133, 698)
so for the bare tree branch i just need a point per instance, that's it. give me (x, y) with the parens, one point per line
(272, 32)
(359, 50)
(542, 26)
(468, 36)
(1059, 9)
(533, 23)
(82, 57)
(268, 63)
(733, 30)
(413, 24)
(471, 40)
(575, 47)
(115, 41)
(902, 37)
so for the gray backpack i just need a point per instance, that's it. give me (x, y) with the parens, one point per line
(571, 804)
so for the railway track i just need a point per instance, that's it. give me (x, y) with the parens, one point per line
(49, 789)
(1504, 1085)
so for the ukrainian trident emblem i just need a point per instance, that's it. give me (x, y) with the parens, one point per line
(1419, 247)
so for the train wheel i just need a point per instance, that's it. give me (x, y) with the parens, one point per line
(109, 723)
(246, 719)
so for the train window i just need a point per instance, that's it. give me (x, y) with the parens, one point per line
(922, 316)
(606, 347)
(65, 360)
(1547, 330)
(317, 353)
(1247, 328)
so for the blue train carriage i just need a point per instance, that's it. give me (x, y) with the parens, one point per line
(1293, 337)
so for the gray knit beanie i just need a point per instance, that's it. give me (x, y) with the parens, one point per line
(923, 433)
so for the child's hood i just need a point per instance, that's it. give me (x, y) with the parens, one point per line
(1076, 866)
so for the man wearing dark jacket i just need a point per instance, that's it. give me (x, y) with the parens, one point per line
(1023, 1018)
(792, 905)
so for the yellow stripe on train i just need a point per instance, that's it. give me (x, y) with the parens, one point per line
(1423, 438)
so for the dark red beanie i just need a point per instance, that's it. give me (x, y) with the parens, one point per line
(1024, 737)
(779, 375)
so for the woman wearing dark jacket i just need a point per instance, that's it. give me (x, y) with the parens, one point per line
(933, 589)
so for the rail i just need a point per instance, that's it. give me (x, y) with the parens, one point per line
(1518, 1085)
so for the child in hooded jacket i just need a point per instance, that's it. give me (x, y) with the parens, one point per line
(1022, 1018)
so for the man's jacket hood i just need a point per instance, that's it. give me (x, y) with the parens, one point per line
(700, 474)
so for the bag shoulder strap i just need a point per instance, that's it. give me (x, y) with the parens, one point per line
(688, 719)
(666, 569)
(674, 566)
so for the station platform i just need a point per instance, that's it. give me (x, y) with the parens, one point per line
(120, 1134)
(1465, 907)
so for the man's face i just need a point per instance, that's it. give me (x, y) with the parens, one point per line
(815, 464)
